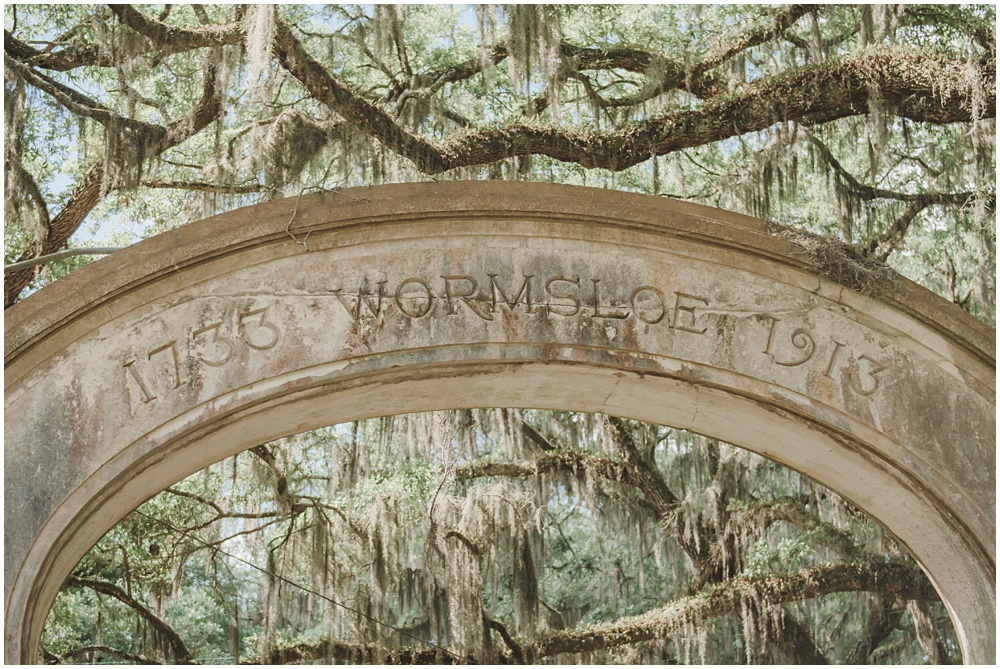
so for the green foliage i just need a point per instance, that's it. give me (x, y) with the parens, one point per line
(363, 545)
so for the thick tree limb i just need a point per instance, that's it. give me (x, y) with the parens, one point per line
(163, 40)
(205, 187)
(641, 469)
(471, 545)
(177, 647)
(628, 58)
(181, 39)
(894, 578)
(25, 179)
(336, 95)
(80, 203)
(550, 462)
(358, 654)
(60, 61)
(826, 92)
(881, 621)
(77, 102)
(536, 438)
(515, 647)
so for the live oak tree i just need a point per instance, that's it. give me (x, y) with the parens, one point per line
(872, 123)
(866, 131)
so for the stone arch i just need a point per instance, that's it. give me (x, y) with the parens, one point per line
(148, 365)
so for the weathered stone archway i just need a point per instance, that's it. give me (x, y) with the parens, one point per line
(150, 364)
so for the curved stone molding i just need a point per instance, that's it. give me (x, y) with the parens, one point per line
(158, 360)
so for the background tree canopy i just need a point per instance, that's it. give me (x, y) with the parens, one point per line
(498, 536)
(490, 535)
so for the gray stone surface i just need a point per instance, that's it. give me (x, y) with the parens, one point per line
(163, 358)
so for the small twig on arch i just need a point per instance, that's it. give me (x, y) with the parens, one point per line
(295, 210)
(288, 228)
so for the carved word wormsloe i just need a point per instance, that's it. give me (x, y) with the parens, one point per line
(556, 295)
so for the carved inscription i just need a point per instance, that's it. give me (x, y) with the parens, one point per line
(791, 347)
(787, 344)
(159, 370)
(564, 296)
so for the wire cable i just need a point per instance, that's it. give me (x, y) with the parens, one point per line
(58, 255)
